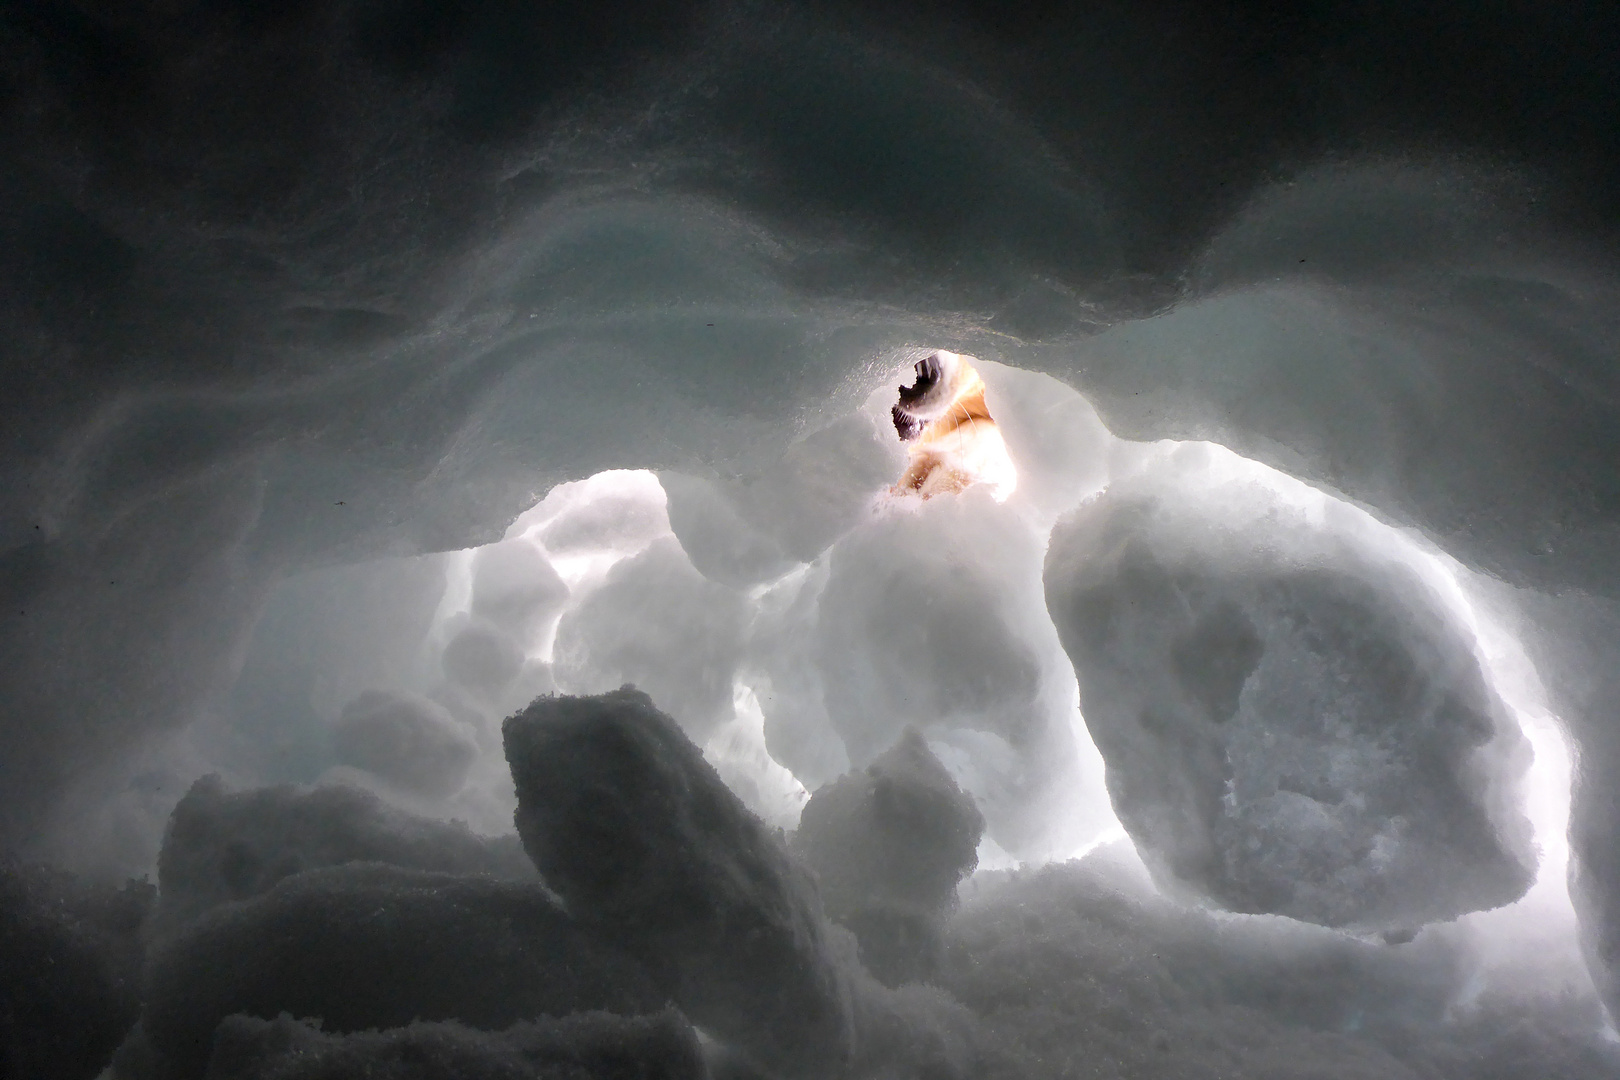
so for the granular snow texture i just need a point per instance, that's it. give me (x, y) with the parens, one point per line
(888, 844)
(645, 844)
(370, 946)
(222, 846)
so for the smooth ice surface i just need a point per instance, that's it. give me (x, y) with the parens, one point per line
(1294, 721)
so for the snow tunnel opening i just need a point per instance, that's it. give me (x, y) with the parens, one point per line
(796, 620)
(952, 440)
(1329, 687)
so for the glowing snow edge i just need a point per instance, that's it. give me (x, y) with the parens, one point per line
(1532, 941)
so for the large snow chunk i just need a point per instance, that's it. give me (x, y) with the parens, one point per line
(223, 846)
(1293, 719)
(643, 841)
(408, 741)
(797, 730)
(656, 622)
(661, 1046)
(932, 616)
(821, 486)
(372, 946)
(889, 845)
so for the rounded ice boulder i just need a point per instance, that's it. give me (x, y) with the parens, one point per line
(1293, 718)
(889, 844)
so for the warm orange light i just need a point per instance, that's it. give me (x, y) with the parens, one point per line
(952, 441)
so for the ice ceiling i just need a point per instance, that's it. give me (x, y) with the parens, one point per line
(372, 367)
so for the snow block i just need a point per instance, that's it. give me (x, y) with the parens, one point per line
(1293, 719)
(933, 615)
(889, 844)
(644, 842)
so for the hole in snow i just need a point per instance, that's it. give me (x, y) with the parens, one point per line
(952, 441)
(796, 621)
